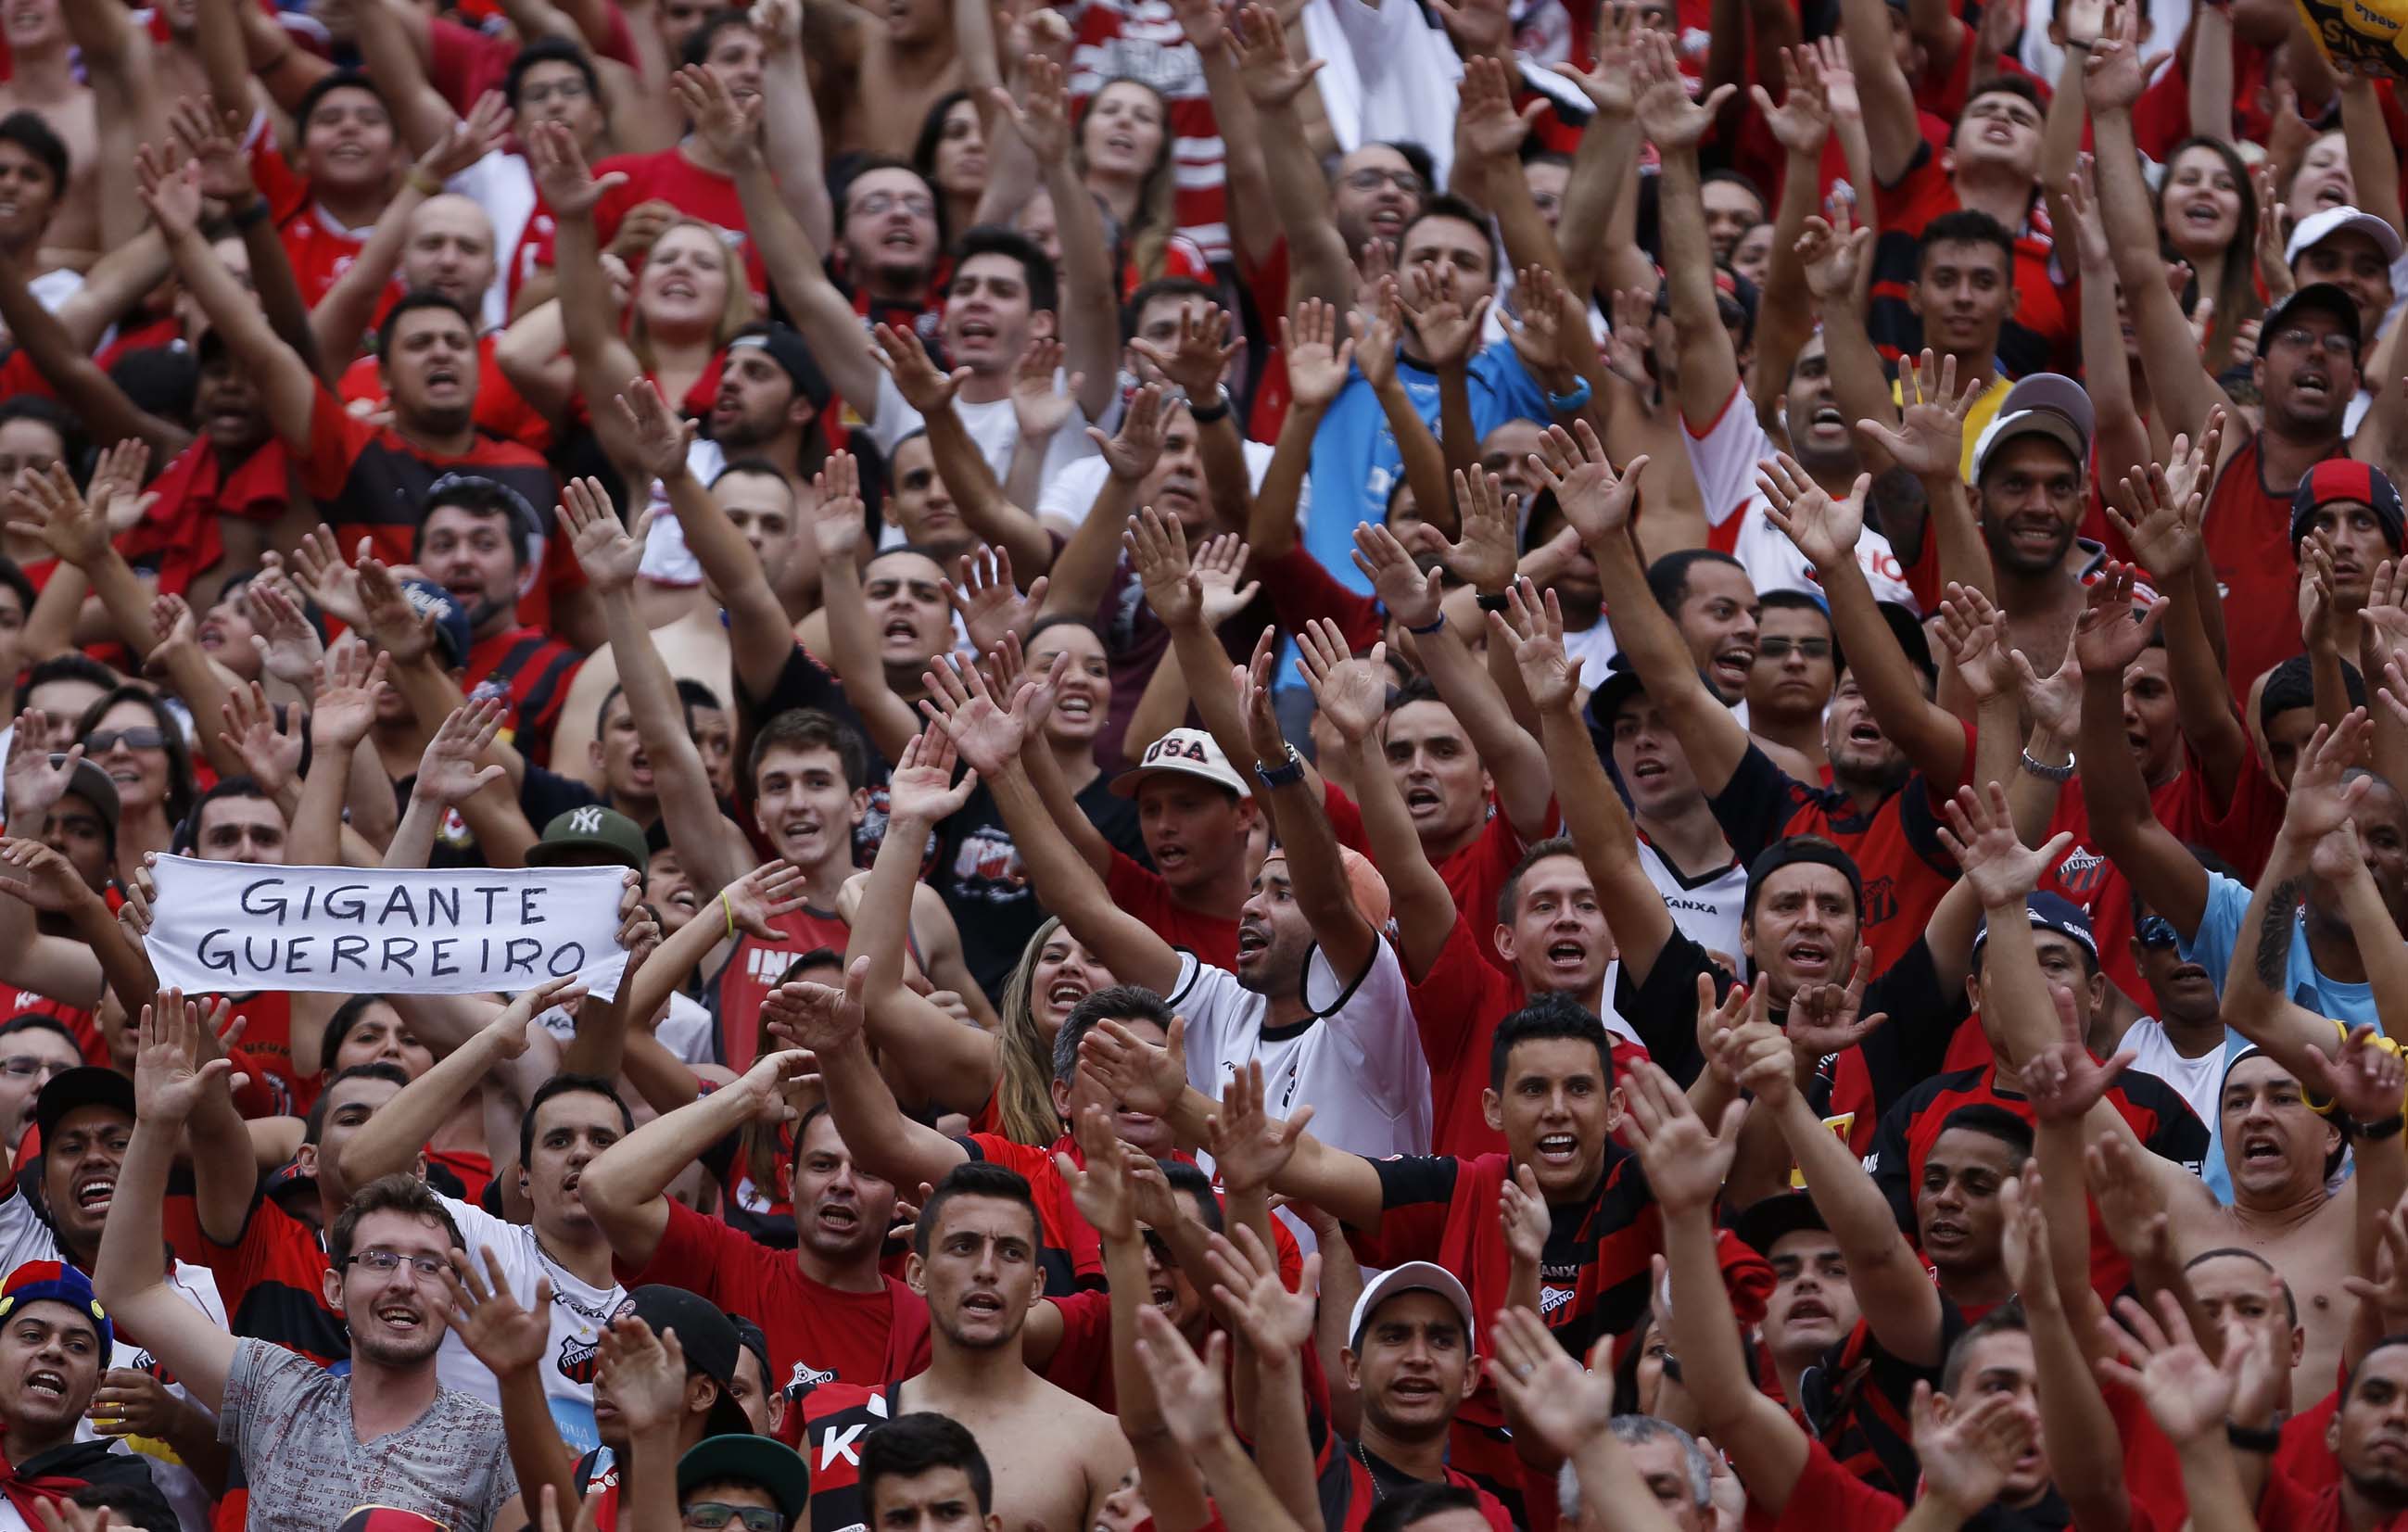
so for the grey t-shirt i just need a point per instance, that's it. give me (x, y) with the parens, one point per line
(290, 1422)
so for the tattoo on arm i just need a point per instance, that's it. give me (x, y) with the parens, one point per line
(2274, 934)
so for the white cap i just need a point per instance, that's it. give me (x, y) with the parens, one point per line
(1412, 1277)
(1192, 753)
(2317, 227)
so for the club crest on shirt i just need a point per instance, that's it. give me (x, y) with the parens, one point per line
(578, 1355)
(804, 1378)
(1554, 1301)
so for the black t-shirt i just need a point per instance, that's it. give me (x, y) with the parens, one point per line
(985, 882)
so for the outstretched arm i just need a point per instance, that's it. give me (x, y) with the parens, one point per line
(2162, 871)
(626, 1187)
(883, 1141)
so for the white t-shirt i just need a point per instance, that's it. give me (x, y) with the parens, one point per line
(1722, 460)
(1069, 495)
(579, 1311)
(685, 1031)
(2200, 1080)
(992, 426)
(1358, 1062)
(1707, 911)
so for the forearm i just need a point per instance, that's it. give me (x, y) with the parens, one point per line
(885, 1142)
(1602, 172)
(1271, 524)
(2180, 388)
(689, 807)
(2086, 1451)
(342, 316)
(1427, 463)
(1785, 310)
(1895, 1295)
(2374, 159)
(390, 1140)
(413, 839)
(1457, 437)
(124, 966)
(790, 135)
(1090, 309)
(1083, 570)
(1709, 369)
(1320, 264)
(103, 408)
(1931, 738)
(1228, 483)
(882, 924)
(985, 508)
(759, 635)
(1515, 761)
(2202, 697)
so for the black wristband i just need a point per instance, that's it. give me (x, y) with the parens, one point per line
(250, 214)
(1499, 602)
(2248, 1439)
(2376, 1132)
(1204, 413)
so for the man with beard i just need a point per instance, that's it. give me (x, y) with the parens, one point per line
(476, 539)
(296, 1428)
(1878, 811)
(54, 1340)
(974, 1261)
(2310, 356)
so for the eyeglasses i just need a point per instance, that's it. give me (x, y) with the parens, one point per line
(385, 1262)
(1778, 649)
(1368, 180)
(2155, 931)
(567, 90)
(709, 1516)
(26, 1066)
(2332, 342)
(101, 741)
(876, 203)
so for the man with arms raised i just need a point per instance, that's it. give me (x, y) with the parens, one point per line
(298, 1429)
(974, 1261)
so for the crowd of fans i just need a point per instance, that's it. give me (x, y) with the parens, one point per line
(1379, 764)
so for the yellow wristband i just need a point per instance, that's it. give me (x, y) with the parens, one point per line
(729, 911)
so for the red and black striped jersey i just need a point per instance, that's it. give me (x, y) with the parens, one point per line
(2158, 1115)
(1355, 1480)
(530, 670)
(270, 1280)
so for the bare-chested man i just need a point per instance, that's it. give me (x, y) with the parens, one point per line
(1055, 1457)
(877, 73)
(42, 80)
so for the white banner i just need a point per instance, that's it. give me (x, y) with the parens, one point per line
(233, 927)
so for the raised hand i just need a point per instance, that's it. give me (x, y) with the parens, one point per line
(1611, 83)
(2161, 525)
(114, 489)
(610, 555)
(1199, 356)
(731, 127)
(1352, 694)
(1100, 1190)
(1040, 408)
(1270, 77)
(2367, 1082)
(225, 169)
(1560, 1402)
(769, 891)
(1824, 1018)
(448, 773)
(989, 735)
(2062, 1080)
(35, 781)
(171, 190)
(1485, 122)
(1833, 252)
(345, 683)
(1410, 593)
(1685, 1162)
(1147, 1077)
(815, 1017)
(657, 434)
(507, 1339)
(1378, 333)
(270, 747)
(1968, 1456)
(1041, 116)
(1521, 1215)
(990, 601)
(1802, 120)
(1548, 674)
(2321, 801)
(321, 572)
(1132, 453)
(289, 648)
(1253, 683)
(1976, 633)
(1980, 835)
(570, 189)
(1597, 502)
(1543, 333)
(1929, 438)
(1448, 328)
(1247, 1286)
(2113, 78)
(1249, 1146)
(172, 1064)
(1220, 578)
(468, 140)
(1670, 119)
(644, 1374)
(49, 507)
(2109, 636)
(921, 788)
(1195, 1402)
(39, 876)
(1824, 529)
(2158, 1358)
(1319, 358)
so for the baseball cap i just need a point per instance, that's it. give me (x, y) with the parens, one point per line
(451, 623)
(589, 827)
(709, 1340)
(2345, 481)
(86, 781)
(2048, 912)
(2317, 227)
(1191, 752)
(2046, 404)
(86, 1085)
(784, 346)
(749, 1459)
(2324, 296)
(1412, 1277)
(1761, 1224)
(1621, 683)
(55, 1282)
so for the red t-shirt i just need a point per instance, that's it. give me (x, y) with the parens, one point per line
(320, 249)
(270, 1280)
(1475, 875)
(817, 1333)
(1456, 1006)
(667, 175)
(2247, 526)
(181, 534)
(501, 409)
(1142, 892)
(1829, 1498)
(1073, 1255)
(754, 969)
(2038, 336)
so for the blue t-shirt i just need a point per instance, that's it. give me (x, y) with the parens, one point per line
(2211, 947)
(1355, 453)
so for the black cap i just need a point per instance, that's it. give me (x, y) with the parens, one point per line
(748, 1459)
(791, 352)
(751, 1337)
(1761, 1224)
(85, 1086)
(709, 1339)
(2327, 297)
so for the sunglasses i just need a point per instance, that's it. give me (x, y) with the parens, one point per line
(101, 741)
(2155, 931)
(709, 1516)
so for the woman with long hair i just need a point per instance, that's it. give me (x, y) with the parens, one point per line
(1053, 975)
(951, 155)
(132, 736)
(1121, 145)
(2207, 216)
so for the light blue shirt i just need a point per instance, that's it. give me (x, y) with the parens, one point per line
(2211, 947)
(1355, 461)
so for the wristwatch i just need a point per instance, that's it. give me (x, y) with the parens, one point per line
(1205, 411)
(1286, 774)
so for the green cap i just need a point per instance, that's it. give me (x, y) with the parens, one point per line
(590, 829)
(765, 1461)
